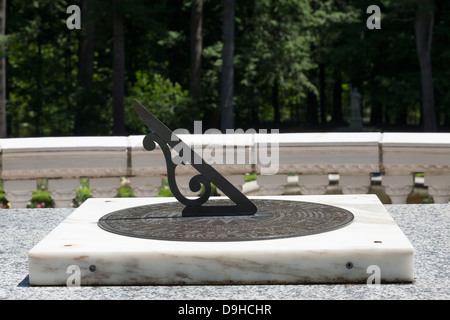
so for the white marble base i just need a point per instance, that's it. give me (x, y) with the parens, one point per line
(79, 252)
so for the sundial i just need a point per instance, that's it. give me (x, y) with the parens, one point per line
(237, 219)
(274, 219)
(232, 239)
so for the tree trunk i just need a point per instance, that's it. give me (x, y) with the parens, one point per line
(424, 33)
(38, 94)
(337, 99)
(196, 48)
(254, 107)
(3, 123)
(312, 108)
(376, 108)
(376, 113)
(227, 90)
(118, 71)
(85, 68)
(275, 102)
(323, 118)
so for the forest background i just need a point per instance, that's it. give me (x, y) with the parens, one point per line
(287, 64)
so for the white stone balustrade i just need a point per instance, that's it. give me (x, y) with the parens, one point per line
(404, 154)
(63, 161)
(312, 156)
(438, 187)
(315, 155)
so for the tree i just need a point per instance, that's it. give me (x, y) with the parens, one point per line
(3, 131)
(196, 48)
(42, 64)
(274, 58)
(424, 24)
(86, 52)
(286, 61)
(227, 85)
(441, 51)
(118, 70)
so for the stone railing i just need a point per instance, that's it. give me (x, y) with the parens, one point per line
(353, 157)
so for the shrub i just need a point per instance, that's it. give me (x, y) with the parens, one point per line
(163, 192)
(41, 199)
(4, 203)
(81, 196)
(125, 191)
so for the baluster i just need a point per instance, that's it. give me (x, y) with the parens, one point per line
(398, 187)
(19, 192)
(145, 186)
(354, 184)
(313, 184)
(104, 187)
(438, 187)
(236, 180)
(63, 191)
(272, 184)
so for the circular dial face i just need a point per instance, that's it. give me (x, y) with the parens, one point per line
(274, 219)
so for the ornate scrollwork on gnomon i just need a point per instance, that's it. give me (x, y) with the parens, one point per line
(165, 138)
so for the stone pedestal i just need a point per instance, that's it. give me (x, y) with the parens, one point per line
(78, 252)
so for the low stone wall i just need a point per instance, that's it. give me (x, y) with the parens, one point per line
(354, 158)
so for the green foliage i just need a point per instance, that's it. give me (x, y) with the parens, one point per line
(41, 199)
(4, 203)
(125, 190)
(163, 192)
(41, 70)
(214, 192)
(279, 48)
(41, 196)
(212, 65)
(275, 51)
(250, 177)
(82, 194)
(166, 100)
